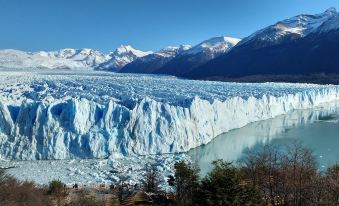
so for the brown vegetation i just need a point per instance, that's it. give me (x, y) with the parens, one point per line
(289, 176)
(267, 176)
(16, 193)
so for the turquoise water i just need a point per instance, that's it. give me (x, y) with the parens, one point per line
(317, 129)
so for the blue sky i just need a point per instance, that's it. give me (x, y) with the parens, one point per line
(33, 25)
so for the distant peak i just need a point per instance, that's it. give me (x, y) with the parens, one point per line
(215, 41)
(182, 47)
(123, 49)
(219, 44)
(331, 10)
(185, 46)
(231, 39)
(67, 50)
(170, 48)
(221, 39)
(86, 49)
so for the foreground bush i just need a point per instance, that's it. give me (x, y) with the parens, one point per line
(222, 186)
(185, 182)
(289, 176)
(86, 198)
(57, 188)
(152, 180)
(284, 175)
(16, 193)
(267, 176)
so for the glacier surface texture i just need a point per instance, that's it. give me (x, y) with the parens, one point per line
(64, 115)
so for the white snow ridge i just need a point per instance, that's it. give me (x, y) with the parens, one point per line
(94, 115)
(215, 45)
(62, 59)
(121, 57)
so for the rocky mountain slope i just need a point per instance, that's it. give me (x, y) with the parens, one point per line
(121, 57)
(188, 60)
(302, 45)
(153, 62)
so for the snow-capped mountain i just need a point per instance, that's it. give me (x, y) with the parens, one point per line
(213, 46)
(62, 59)
(197, 55)
(121, 57)
(89, 57)
(301, 45)
(331, 24)
(289, 29)
(14, 59)
(152, 62)
(70, 59)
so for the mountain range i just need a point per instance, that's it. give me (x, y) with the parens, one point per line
(188, 60)
(151, 63)
(303, 45)
(62, 59)
(85, 59)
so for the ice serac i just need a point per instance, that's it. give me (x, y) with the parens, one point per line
(47, 122)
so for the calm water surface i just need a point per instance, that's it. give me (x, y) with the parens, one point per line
(317, 129)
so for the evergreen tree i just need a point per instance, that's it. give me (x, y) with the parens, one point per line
(222, 187)
(185, 182)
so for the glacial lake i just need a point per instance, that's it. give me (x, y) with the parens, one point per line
(317, 129)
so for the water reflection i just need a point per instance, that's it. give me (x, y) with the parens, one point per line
(317, 129)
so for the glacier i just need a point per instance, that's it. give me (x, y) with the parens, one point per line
(71, 115)
(229, 146)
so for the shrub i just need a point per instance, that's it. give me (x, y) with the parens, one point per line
(14, 192)
(222, 186)
(57, 188)
(152, 179)
(185, 182)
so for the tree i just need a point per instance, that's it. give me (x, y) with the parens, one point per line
(152, 179)
(332, 184)
(299, 172)
(171, 180)
(262, 168)
(285, 175)
(122, 190)
(222, 187)
(185, 182)
(57, 189)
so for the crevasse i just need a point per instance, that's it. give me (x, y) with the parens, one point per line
(82, 128)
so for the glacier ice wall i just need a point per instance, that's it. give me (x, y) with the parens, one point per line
(82, 127)
(85, 129)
